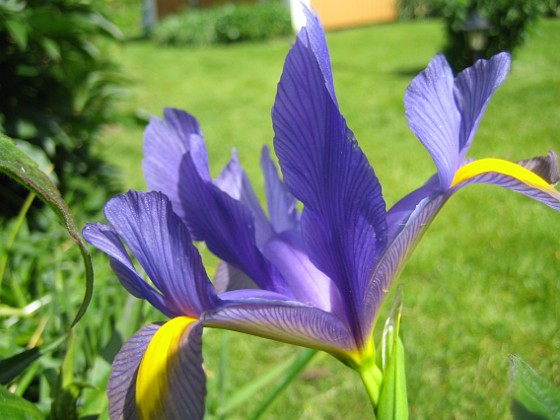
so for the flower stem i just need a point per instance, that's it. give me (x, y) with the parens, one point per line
(372, 378)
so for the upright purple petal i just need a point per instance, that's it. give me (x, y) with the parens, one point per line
(474, 87)
(165, 143)
(434, 118)
(162, 245)
(343, 222)
(281, 204)
(227, 226)
(233, 181)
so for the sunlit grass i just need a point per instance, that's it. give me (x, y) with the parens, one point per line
(484, 281)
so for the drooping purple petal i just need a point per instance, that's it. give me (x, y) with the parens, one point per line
(106, 240)
(229, 278)
(343, 222)
(227, 226)
(162, 245)
(233, 181)
(289, 322)
(165, 143)
(169, 381)
(281, 204)
(474, 87)
(434, 118)
(515, 177)
(121, 388)
(186, 388)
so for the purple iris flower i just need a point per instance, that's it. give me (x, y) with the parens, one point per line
(315, 279)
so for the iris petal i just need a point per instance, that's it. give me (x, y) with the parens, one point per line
(165, 143)
(508, 175)
(227, 226)
(121, 388)
(343, 221)
(281, 204)
(474, 87)
(171, 383)
(390, 263)
(433, 116)
(289, 322)
(162, 245)
(106, 239)
(233, 181)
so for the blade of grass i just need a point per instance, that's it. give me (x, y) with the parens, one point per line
(289, 369)
(300, 362)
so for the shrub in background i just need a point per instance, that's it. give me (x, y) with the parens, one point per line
(418, 9)
(510, 22)
(225, 24)
(58, 87)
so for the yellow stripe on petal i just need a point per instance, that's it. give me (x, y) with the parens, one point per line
(152, 380)
(478, 167)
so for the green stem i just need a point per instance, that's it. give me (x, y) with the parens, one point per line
(372, 377)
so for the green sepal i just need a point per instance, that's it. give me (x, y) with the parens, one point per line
(22, 169)
(533, 397)
(393, 402)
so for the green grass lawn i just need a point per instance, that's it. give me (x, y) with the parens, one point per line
(484, 282)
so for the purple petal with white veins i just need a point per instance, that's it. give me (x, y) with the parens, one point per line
(474, 87)
(162, 245)
(288, 322)
(434, 118)
(281, 204)
(106, 240)
(343, 222)
(121, 388)
(228, 228)
(165, 143)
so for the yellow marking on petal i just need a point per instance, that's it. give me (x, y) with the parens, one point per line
(500, 166)
(152, 379)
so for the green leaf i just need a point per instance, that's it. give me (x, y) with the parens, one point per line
(15, 407)
(12, 366)
(18, 166)
(18, 32)
(393, 403)
(533, 396)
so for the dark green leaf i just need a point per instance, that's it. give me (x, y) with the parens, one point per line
(18, 166)
(533, 396)
(15, 407)
(11, 367)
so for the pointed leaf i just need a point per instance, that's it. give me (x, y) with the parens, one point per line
(533, 396)
(18, 166)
